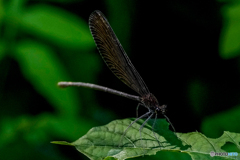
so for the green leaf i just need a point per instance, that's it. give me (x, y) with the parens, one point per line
(62, 143)
(2, 12)
(230, 35)
(58, 26)
(106, 141)
(62, 1)
(214, 125)
(43, 70)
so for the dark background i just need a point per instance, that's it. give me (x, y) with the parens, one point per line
(187, 52)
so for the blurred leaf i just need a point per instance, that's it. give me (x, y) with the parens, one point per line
(121, 20)
(28, 137)
(197, 92)
(25, 126)
(2, 49)
(62, 1)
(229, 1)
(214, 126)
(60, 27)
(107, 141)
(36, 130)
(2, 12)
(43, 70)
(14, 7)
(12, 17)
(69, 127)
(230, 35)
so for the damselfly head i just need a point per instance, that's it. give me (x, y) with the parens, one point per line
(151, 102)
(161, 108)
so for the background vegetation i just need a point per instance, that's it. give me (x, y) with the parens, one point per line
(186, 51)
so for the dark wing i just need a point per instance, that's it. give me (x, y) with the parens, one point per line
(113, 53)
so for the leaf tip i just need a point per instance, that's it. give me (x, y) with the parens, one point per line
(62, 143)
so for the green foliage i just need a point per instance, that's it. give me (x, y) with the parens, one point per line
(229, 41)
(106, 142)
(49, 44)
(46, 43)
(215, 123)
(65, 30)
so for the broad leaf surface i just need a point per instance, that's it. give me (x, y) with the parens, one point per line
(107, 142)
